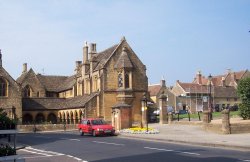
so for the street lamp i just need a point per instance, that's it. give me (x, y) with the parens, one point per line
(145, 108)
(210, 95)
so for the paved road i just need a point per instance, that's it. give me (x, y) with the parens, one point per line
(70, 147)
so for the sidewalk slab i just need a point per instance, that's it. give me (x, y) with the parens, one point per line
(194, 134)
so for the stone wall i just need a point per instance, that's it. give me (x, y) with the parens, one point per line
(46, 127)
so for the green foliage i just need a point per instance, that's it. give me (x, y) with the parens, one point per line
(5, 121)
(245, 110)
(6, 150)
(243, 92)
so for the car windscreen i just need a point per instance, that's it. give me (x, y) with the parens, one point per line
(98, 122)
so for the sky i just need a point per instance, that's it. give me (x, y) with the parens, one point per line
(173, 38)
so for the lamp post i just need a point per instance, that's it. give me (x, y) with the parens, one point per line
(145, 109)
(210, 95)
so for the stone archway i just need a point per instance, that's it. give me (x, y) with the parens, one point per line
(76, 117)
(67, 117)
(27, 119)
(40, 118)
(52, 118)
(71, 117)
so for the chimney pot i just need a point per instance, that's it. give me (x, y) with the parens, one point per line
(24, 67)
(85, 53)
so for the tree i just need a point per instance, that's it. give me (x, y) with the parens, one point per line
(243, 91)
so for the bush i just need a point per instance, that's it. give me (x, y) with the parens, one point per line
(244, 110)
(6, 150)
(6, 122)
(243, 91)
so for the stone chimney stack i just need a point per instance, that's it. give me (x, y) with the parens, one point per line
(85, 53)
(78, 64)
(1, 62)
(199, 77)
(163, 82)
(223, 82)
(25, 68)
(92, 50)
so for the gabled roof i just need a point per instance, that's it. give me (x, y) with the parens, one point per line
(193, 88)
(102, 57)
(30, 104)
(240, 74)
(6, 75)
(51, 83)
(229, 92)
(124, 61)
(154, 89)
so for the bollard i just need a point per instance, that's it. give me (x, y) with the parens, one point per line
(199, 115)
(170, 118)
(226, 121)
(206, 117)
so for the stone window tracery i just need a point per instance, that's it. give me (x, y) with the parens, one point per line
(3, 87)
(27, 91)
(120, 80)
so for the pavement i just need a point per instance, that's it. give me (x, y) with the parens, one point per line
(193, 133)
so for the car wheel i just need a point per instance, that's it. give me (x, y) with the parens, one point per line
(81, 132)
(94, 133)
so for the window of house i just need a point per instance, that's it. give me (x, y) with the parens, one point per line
(27, 91)
(120, 80)
(235, 99)
(3, 87)
(126, 80)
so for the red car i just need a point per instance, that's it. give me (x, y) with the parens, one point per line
(95, 127)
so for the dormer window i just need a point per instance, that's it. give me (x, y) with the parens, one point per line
(27, 91)
(3, 88)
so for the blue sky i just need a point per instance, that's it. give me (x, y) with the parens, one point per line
(173, 38)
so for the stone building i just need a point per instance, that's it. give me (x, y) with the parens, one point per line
(155, 90)
(108, 84)
(10, 94)
(195, 95)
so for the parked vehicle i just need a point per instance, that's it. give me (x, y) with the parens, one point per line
(95, 127)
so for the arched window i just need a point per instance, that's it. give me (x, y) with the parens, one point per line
(3, 87)
(120, 80)
(126, 80)
(27, 119)
(27, 91)
(52, 118)
(40, 118)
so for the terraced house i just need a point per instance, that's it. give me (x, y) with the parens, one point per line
(194, 95)
(107, 84)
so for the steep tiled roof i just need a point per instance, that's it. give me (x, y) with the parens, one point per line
(194, 88)
(51, 83)
(67, 84)
(225, 92)
(154, 89)
(56, 103)
(240, 74)
(102, 57)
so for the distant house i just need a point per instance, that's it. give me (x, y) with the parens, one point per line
(195, 95)
(156, 90)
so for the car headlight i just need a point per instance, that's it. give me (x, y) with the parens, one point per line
(99, 129)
